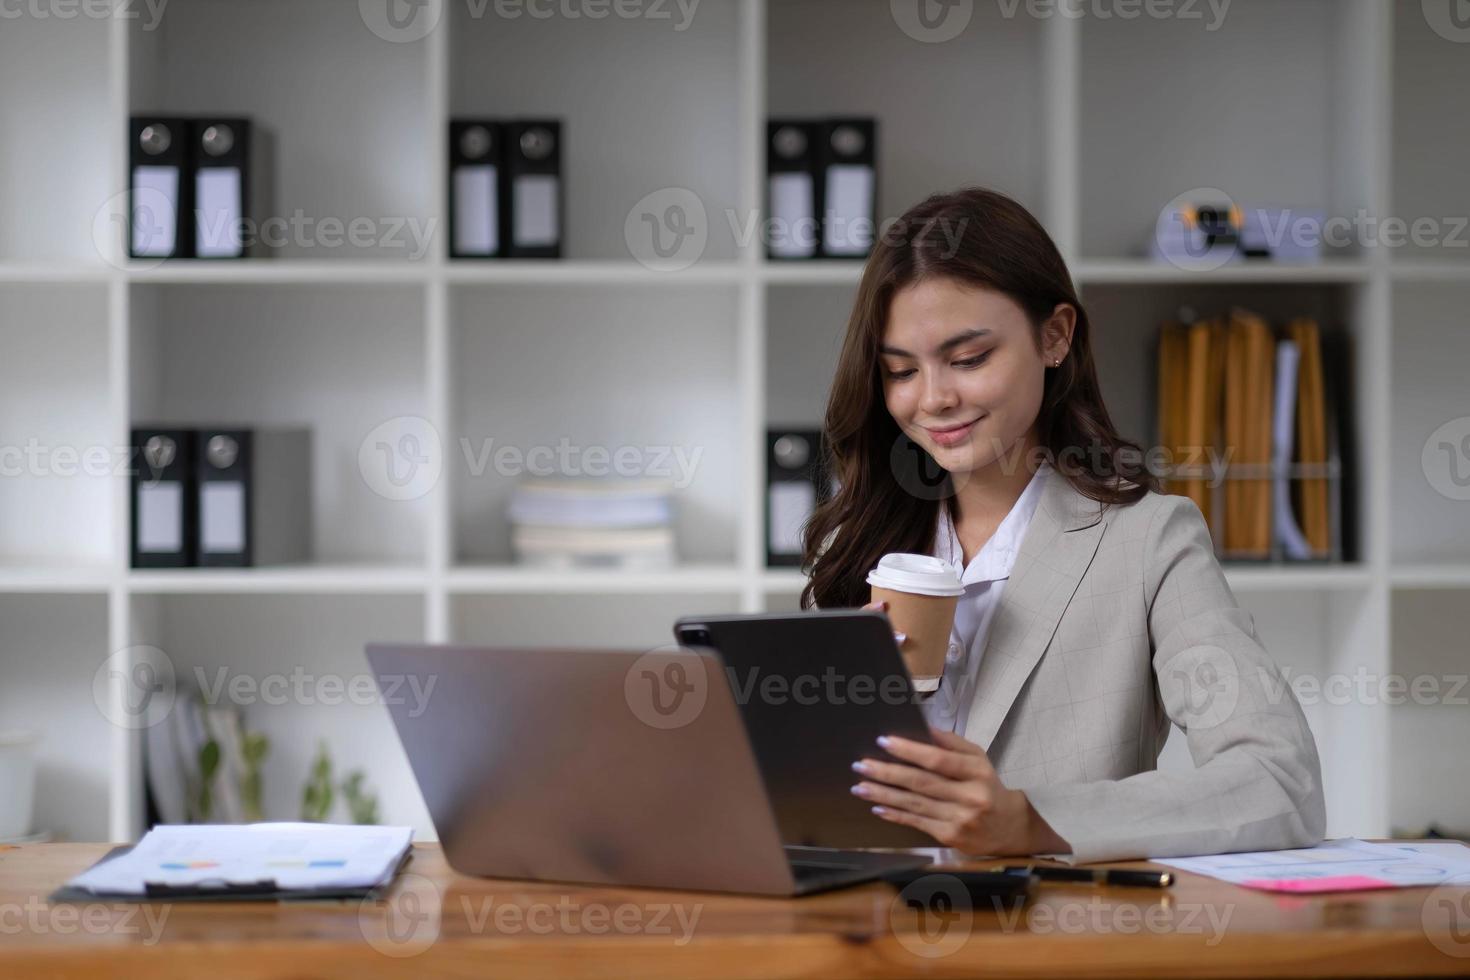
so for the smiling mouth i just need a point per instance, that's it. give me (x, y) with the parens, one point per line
(951, 435)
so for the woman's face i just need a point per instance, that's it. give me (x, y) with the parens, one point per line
(962, 373)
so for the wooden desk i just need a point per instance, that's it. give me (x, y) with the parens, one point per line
(437, 923)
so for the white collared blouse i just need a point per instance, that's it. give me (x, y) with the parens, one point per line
(984, 579)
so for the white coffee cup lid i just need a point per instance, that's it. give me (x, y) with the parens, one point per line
(920, 574)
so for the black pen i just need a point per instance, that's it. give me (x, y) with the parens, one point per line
(1096, 876)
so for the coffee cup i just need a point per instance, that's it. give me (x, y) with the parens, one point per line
(922, 592)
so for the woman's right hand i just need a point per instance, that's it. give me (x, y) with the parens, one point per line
(882, 607)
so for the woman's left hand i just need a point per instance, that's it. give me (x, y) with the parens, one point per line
(951, 792)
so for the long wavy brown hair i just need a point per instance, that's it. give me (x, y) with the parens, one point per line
(979, 238)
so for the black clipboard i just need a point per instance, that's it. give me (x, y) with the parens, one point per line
(256, 891)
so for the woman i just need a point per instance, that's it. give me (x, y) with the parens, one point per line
(965, 421)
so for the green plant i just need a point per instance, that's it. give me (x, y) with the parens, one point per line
(253, 747)
(201, 791)
(361, 805)
(317, 797)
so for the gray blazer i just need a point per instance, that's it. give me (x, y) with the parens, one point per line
(1116, 622)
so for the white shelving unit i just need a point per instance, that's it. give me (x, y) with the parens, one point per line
(1095, 124)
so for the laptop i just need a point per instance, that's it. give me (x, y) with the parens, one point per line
(619, 767)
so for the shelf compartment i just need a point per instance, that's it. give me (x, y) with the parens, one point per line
(342, 361)
(343, 108)
(1428, 721)
(663, 112)
(946, 125)
(1429, 425)
(58, 451)
(805, 327)
(295, 667)
(1259, 103)
(535, 369)
(54, 168)
(1125, 322)
(1431, 121)
(51, 651)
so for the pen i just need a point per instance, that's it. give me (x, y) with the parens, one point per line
(1097, 876)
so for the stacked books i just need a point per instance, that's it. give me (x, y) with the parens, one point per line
(593, 523)
(1246, 417)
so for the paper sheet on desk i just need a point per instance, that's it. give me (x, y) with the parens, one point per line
(293, 855)
(1336, 865)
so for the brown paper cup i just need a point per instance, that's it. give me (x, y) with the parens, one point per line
(926, 621)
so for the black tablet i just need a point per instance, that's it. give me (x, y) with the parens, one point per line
(815, 690)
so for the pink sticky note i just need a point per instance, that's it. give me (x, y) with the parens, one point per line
(1338, 883)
